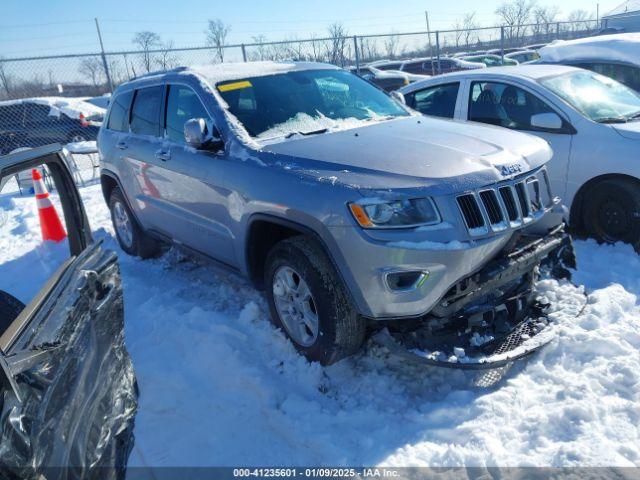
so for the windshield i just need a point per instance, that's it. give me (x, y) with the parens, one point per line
(599, 98)
(306, 102)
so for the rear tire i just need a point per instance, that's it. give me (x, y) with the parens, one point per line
(10, 308)
(612, 212)
(131, 237)
(340, 330)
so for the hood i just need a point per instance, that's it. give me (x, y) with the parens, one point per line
(628, 130)
(421, 148)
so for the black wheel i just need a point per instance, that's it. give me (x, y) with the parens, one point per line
(132, 239)
(309, 301)
(77, 137)
(10, 308)
(612, 212)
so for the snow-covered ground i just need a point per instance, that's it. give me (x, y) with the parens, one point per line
(220, 386)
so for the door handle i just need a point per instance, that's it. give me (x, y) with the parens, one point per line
(163, 155)
(121, 145)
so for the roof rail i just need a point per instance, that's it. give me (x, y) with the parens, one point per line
(160, 72)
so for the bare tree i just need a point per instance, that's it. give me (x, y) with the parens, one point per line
(147, 41)
(391, 45)
(93, 69)
(368, 49)
(469, 24)
(542, 17)
(514, 14)
(217, 33)
(259, 52)
(578, 20)
(166, 58)
(5, 78)
(338, 46)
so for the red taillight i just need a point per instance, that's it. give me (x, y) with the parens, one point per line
(83, 121)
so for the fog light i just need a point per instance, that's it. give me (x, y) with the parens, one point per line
(406, 280)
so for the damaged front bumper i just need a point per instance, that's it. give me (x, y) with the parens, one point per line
(492, 318)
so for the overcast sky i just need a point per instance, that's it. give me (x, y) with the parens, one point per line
(43, 27)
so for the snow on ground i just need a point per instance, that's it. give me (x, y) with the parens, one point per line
(220, 386)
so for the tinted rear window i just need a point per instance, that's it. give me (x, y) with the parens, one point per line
(119, 116)
(145, 113)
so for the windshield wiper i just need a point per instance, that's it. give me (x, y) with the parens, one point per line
(612, 120)
(634, 116)
(313, 132)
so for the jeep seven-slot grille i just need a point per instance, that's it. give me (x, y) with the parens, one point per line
(491, 205)
(509, 203)
(470, 211)
(505, 205)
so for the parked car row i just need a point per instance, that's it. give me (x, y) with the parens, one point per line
(34, 122)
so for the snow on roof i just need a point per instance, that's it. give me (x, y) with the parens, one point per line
(223, 72)
(621, 47)
(630, 6)
(71, 107)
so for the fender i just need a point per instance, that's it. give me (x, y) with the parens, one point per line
(328, 245)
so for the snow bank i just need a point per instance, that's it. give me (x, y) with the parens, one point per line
(622, 47)
(219, 385)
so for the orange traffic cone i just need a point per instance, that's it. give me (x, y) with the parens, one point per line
(50, 224)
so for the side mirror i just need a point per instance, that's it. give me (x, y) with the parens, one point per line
(546, 121)
(197, 135)
(399, 97)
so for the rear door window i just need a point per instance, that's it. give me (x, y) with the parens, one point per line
(145, 113)
(182, 104)
(37, 113)
(119, 115)
(33, 236)
(11, 115)
(438, 101)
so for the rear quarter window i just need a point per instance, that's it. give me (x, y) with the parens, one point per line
(119, 114)
(145, 112)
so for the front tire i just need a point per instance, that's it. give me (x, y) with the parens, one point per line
(131, 237)
(309, 302)
(612, 212)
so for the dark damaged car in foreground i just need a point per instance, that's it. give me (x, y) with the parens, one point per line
(69, 393)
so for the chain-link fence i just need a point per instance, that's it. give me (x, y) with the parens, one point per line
(61, 98)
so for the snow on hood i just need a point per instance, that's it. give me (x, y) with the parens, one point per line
(622, 47)
(71, 107)
(421, 147)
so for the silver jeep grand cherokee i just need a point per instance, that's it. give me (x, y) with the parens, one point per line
(349, 209)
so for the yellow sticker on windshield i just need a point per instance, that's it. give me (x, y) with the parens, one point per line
(234, 86)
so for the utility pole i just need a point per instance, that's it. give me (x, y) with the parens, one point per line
(597, 15)
(426, 15)
(104, 58)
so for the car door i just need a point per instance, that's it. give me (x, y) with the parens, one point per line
(68, 388)
(145, 181)
(511, 106)
(194, 192)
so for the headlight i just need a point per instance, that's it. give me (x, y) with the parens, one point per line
(396, 214)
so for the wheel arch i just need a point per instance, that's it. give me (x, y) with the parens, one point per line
(256, 251)
(262, 226)
(108, 181)
(575, 213)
